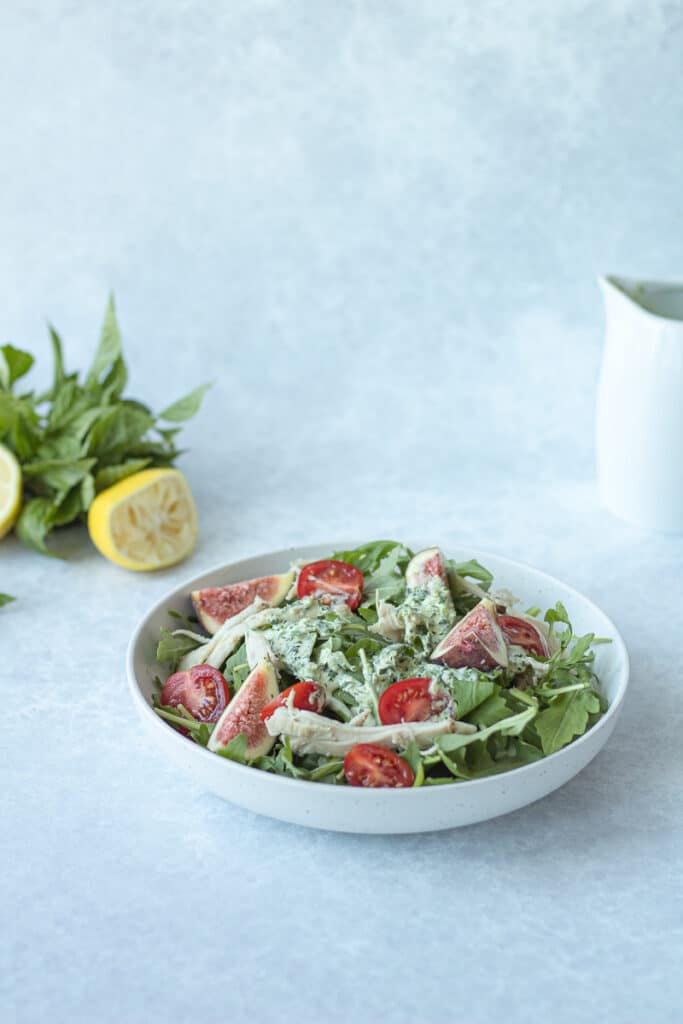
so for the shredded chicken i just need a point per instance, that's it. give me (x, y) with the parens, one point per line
(505, 598)
(224, 641)
(388, 623)
(258, 648)
(310, 733)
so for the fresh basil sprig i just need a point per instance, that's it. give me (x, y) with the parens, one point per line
(82, 435)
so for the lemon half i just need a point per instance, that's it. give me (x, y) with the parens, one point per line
(10, 490)
(147, 521)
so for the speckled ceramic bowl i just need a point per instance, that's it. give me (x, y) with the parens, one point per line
(350, 809)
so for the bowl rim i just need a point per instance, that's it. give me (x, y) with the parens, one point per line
(207, 757)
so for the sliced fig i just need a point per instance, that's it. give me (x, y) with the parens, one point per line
(216, 604)
(524, 632)
(424, 566)
(243, 713)
(476, 642)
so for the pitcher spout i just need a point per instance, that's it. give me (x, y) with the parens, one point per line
(630, 297)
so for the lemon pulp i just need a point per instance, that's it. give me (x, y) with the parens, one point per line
(147, 521)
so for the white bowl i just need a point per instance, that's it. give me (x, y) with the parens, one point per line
(351, 809)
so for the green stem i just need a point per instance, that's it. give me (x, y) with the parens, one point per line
(185, 723)
(323, 770)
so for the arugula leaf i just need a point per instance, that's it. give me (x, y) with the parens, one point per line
(463, 591)
(493, 758)
(387, 582)
(469, 693)
(512, 725)
(473, 570)
(236, 667)
(236, 749)
(368, 557)
(413, 755)
(172, 648)
(6, 599)
(565, 718)
(492, 710)
(383, 564)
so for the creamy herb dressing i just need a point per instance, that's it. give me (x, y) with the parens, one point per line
(306, 638)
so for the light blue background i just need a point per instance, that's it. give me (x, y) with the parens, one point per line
(377, 228)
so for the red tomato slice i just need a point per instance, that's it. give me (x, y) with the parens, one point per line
(306, 697)
(523, 634)
(368, 764)
(330, 581)
(409, 700)
(202, 691)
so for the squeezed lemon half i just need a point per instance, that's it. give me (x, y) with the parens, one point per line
(147, 521)
(10, 490)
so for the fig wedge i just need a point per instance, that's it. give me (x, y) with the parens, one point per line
(476, 642)
(243, 713)
(424, 566)
(215, 605)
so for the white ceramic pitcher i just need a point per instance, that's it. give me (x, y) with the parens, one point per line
(640, 403)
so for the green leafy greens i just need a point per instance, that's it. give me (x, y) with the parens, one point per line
(521, 713)
(80, 436)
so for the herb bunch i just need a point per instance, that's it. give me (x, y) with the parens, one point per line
(80, 436)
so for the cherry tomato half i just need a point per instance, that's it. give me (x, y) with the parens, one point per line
(409, 700)
(368, 764)
(330, 581)
(523, 634)
(202, 691)
(305, 696)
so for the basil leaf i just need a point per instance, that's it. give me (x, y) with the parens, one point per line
(109, 348)
(117, 430)
(69, 507)
(6, 599)
(58, 475)
(58, 373)
(113, 474)
(78, 438)
(115, 381)
(35, 522)
(87, 491)
(14, 363)
(185, 407)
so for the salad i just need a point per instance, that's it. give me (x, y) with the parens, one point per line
(377, 667)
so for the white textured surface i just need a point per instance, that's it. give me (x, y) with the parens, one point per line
(377, 230)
